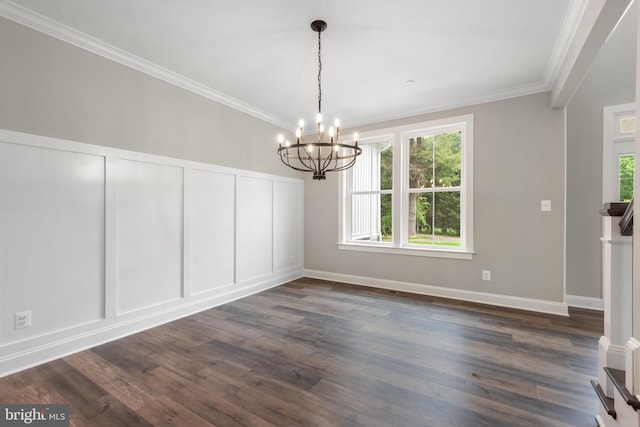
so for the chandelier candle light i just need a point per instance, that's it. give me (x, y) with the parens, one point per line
(320, 156)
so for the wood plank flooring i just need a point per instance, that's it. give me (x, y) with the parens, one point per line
(315, 353)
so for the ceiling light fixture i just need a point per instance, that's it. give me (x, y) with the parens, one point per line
(320, 156)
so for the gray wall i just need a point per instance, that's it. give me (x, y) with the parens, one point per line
(51, 88)
(610, 81)
(519, 160)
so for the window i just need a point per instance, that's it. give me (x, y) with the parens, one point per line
(371, 190)
(618, 152)
(434, 173)
(411, 191)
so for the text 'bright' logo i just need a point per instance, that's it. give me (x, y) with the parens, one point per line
(25, 416)
(38, 415)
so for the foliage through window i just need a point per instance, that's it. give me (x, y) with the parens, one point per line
(412, 189)
(626, 163)
(434, 174)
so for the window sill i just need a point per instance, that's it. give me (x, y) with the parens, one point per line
(426, 252)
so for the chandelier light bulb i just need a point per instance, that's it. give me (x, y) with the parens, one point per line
(319, 118)
(321, 128)
(310, 147)
(331, 132)
(287, 144)
(280, 139)
(301, 123)
(298, 132)
(337, 123)
(355, 137)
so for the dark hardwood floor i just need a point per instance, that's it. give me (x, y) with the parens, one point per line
(316, 353)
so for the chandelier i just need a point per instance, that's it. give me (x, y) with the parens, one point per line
(325, 153)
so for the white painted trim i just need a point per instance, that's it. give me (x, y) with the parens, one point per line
(36, 349)
(542, 306)
(48, 26)
(21, 138)
(564, 205)
(585, 302)
(33, 352)
(609, 122)
(110, 237)
(632, 366)
(434, 253)
(568, 31)
(600, 421)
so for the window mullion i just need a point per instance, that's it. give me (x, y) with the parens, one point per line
(400, 194)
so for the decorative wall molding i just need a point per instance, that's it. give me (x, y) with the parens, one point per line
(44, 349)
(100, 243)
(541, 306)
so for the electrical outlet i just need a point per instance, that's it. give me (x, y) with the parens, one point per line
(486, 275)
(545, 205)
(22, 319)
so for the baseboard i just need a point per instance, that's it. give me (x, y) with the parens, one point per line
(585, 302)
(22, 355)
(541, 306)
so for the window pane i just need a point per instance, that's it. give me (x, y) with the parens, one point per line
(420, 218)
(373, 169)
(448, 159)
(421, 162)
(435, 161)
(434, 218)
(446, 222)
(371, 217)
(625, 167)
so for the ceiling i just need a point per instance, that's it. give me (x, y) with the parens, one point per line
(261, 56)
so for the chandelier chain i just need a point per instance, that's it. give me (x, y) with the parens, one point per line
(319, 78)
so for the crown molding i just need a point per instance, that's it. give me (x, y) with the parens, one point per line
(45, 25)
(524, 90)
(570, 25)
(48, 26)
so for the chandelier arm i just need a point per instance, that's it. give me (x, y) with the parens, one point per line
(309, 159)
(304, 168)
(288, 163)
(329, 159)
(343, 167)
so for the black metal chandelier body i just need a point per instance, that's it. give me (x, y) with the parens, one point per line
(326, 154)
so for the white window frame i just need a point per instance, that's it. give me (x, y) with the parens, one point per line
(400, 194)
(377, 139)
(615, 143)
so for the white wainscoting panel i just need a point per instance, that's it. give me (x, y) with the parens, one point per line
(254, 228)
(51, 239)
(149, 234)
(99, 243)
(212, 230)
(287, 226)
